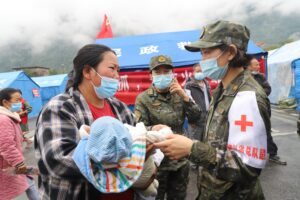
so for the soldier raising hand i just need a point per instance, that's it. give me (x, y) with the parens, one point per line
(165, 102)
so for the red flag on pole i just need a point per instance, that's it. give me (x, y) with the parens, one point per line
(105, 31)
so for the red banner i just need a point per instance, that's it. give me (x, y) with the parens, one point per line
(133, 83)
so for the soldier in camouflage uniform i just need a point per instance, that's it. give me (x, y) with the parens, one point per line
(226, 174)
(165, 102)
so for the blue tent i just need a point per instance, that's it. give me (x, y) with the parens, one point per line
(29, 88)
(134, 52)
(51, 85)
(284, 72)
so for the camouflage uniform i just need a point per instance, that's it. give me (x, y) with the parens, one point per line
(224, 175)
(154, 108)
(219, 178)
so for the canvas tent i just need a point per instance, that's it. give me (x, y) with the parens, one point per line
(30, 90)
(51, 85)
(135, 52)
(284, 72)
(272, 51)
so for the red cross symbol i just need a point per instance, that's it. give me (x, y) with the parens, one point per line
(243, 123)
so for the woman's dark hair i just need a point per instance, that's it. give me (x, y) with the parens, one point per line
(89, 55)
(6, 93)
(240, 59)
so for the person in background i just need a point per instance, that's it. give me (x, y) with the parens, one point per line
(165, 102)
(11, 156)
(234, 147)
(88, 96)
(26, 109)
(254, 68)
(198, 90)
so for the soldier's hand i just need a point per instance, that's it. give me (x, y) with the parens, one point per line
(175, 87)
(175, 146)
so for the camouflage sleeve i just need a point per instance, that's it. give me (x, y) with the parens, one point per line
(229, 166)
(141, 112)
(192, 111)
(224, 165)
(28, 107)
(202, 154)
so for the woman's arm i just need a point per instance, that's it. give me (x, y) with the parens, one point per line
(57, 136)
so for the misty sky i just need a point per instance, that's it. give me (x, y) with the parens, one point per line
(41, 21)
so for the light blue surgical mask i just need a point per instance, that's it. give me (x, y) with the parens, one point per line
(16, 107)
(199, 76)
(211, 68)
(107, 88)
(162, 81)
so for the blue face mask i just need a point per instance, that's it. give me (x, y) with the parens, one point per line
(162, 81)
(211, 68)
(108, 87)
(16, 107)
(199, 76)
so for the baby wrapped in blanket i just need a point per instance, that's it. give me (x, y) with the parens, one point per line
(112, 156)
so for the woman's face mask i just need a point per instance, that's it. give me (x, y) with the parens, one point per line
(16, 107)
(162, 81)
(107, 88)
(211, 69)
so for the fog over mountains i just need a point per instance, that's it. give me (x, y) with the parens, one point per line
(271, 28)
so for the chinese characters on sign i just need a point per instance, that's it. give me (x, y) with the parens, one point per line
(118, 52)
(181, 45)
(148, 49)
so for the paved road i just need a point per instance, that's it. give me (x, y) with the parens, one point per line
(278, 182)
(283, 182)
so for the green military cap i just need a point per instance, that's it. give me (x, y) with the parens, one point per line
(159, 61)
(221, 32)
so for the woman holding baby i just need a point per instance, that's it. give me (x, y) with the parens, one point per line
(89, 96)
